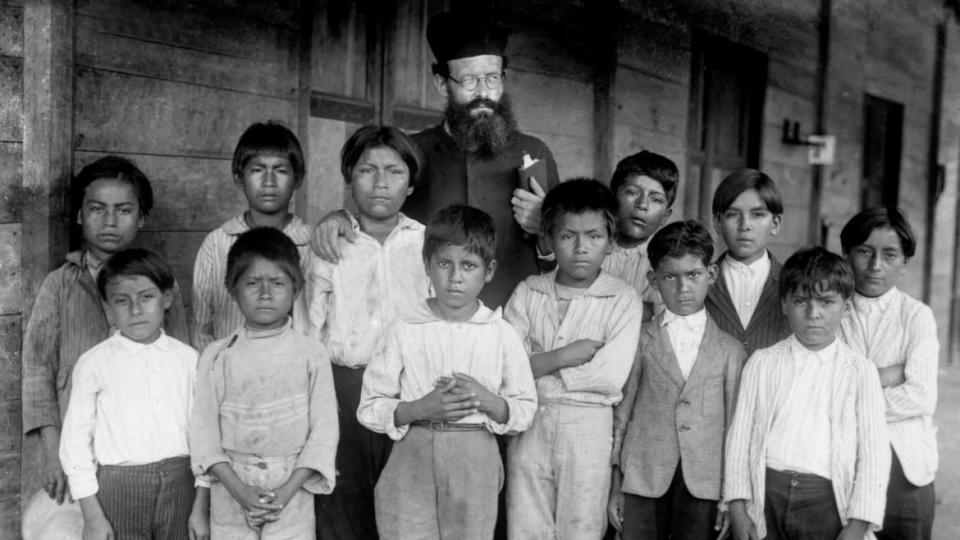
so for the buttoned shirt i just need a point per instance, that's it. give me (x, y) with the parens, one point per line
(351, 303)
(631, 264)
(896, 329)
(609, 311)
(422, 347)
(800, 434)
(215, 313)
(686, 333)
(745, 283)
(130, 405)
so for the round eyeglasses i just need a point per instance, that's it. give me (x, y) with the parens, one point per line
(493, 81)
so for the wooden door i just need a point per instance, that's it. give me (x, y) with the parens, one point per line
(882, 148)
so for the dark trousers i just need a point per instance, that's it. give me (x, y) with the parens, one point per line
(677, 515)
(800, 506)
(909, 512)
(147, 502)
(348, 512)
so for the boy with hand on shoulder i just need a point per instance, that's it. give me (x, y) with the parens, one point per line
(669, 429)
(111, 199)
(580, 326)
(807, 453)
(268, 166)
(899, 335)
(645, 184)
(351, 304)
(132, 481)
(265, 420)
(747, 212)
(451, 375)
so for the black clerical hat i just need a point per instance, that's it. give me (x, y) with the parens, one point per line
(460, 35)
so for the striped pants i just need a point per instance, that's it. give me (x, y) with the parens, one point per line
(148, 502)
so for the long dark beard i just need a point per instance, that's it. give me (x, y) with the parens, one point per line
(486, 135)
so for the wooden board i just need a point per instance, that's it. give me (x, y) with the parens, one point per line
(11, 98)
(124, 113)
(10, 380)
(650, 103)
(11, 286)
(535, 104)
(655, 49)
(11, 182)
(339, 50)
(190, 194)
(179, 249)
(11, 30)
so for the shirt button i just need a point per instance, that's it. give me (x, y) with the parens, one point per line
(684, 402)
(684, 428)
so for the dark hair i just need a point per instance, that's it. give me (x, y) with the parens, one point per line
(745, 179)
(266, 243)
(135, 262)
(113, 168)
(646, 163)
(576, 196)
(368, 137)
(679, 239)
(460, 225)
(273, 139)
(862, 225)
(815, 271)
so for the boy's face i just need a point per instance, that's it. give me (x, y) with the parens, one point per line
(110, 217)
(815, 317)
(265, 294)
(746, 226)
(642, 207)
(457, 277)
(380, 183)
(137, 306)
(268, 183)
(581, 242)
(683, 282)
(878, 263)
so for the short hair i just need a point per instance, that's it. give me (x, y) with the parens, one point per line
(273, 139)
(113, 168)
(679, 239)
(648, 164)
(135, 262)
(576, 196)
(745, 179)
(265, 243)
(460, 225)
(368, 137)
(862, 225)
(815, 271)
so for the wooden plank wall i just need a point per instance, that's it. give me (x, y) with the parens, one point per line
(11, 305)
(172, 85)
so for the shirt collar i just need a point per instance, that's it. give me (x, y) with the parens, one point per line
(604, 285)
(295, 228)
(130, 346)
(866, 304)
(254, 334)
(826, 354)
(423, 314)
(757, 267)
(695, 321)
(639, 248)
(404, 223)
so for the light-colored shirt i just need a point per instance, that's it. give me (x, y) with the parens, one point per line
(895, 329)
(800, 434)
(745, 283)
(421, 347)
(267, 393)
(631, 265)
(215, 313)
(609, 311)
(859, 447)
(686, 334)
(351, 303)
(130, 405)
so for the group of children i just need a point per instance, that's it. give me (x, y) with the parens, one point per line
(639, 385)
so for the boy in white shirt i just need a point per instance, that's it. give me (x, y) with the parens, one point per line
(124, 444)
(807, 453)
(353, 301)
(899, 335)
(451, 375)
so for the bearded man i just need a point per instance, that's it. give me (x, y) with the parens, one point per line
(474, 156)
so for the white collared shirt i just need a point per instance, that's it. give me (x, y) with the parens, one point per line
(800, 434)
(352, 302)
(631, 265)
(745, 283)
(686, 334)
(130, 405)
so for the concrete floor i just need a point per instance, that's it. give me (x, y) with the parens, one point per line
(946, 524)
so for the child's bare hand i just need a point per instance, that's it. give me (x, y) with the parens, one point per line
(254, 499)
(198, 525)
(55, 481)
(580, 352)
(444, 405)
(741, 525)
(892, 376)
(615, 510)
(722, 525)
(490, 403)
(97, 528)
(327, 233)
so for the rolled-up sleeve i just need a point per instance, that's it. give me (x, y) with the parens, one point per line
(206, 449)
(517, 387)
(320, 449)
(380, 395)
